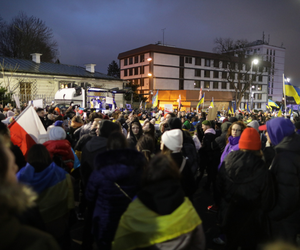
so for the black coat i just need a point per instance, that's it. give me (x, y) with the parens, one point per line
(248, 192)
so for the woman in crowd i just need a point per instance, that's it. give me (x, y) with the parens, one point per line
(135, 132)
(160, 217)
(247, 190)
(15, 198)
(112, 185)
(171, 144)
(55, 189)
(146, 146)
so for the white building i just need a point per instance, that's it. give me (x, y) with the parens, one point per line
(276, 56)
(175, 71)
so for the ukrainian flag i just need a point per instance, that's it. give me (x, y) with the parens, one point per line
(268, 107)
(200, 102)
(272, 104)
(247, 107)
(155, 100)
(279, 113)
(291, 90)
(229, 111)
(212, 102)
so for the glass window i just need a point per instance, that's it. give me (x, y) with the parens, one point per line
(197, 84)
(125, 61)
(259, 87)
(258, 96)
(142, 58)
(206, 84)
(215, 85)
(206, 73)
(224, 65)
(224, 75)
(125, 72)
(181, 85)
(131, 60)
(142, 70)
(136, 71)
(216, 74)
(258, 105)
(197, 72)
(130, 72)
(197, 61)
(216, 63)
(224, 85)
(231, 85)
(207, 62)
(142, 81)
(136, 59)
(260, 78)
(188, 60)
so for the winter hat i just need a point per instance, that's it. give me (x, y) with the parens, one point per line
(278, 128)
(187, 124)
(207, 123)
(254, 124)
(233, 119)
(58, 123)
(225, 126)
(250, 139)
(174, 123)
(57, 133)
(173, 140)
(107, 127)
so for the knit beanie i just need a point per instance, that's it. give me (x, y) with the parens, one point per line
(250, 140)
(173, 140)
(107, 127)
(187, 124)
(254, 124)
(174, 123)
(207, 123)
(57, 133)
(233, 119)
(58, 123)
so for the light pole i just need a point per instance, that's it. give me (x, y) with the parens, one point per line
(255, 62)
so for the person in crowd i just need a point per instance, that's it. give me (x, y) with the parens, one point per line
(19, 157)
(248, 193)
(135, 132)
(209, 155)
(15, 198)
(162, 215)
(85, 129)
(285, 216)
(112, 185)
(149, 129)
(55, 189)
(146, 145)
(222, 139)
(76, 122)
(60, 149)
(171, 144)
(41, 114)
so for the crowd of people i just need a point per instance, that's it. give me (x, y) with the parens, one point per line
(135, 175)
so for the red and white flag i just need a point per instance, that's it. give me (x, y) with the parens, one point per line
(25, 130)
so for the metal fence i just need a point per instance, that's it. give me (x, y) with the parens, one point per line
(23, 98)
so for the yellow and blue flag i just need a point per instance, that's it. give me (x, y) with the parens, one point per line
(279, 113)
(291, 90)
(247, 107)
(272, 104)
(201, 101)
(212, 102)
(155, 100)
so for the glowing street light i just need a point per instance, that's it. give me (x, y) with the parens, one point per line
(255, 62)
(149, 59)
(149, 74)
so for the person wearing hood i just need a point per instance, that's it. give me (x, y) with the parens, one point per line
(15, 199)
(160, 217)
(55, 192)
(248, 193)
(209, 154)
(111, 186)
(222, 139)
(285, 216)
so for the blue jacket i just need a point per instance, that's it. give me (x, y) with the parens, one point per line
(123, 167)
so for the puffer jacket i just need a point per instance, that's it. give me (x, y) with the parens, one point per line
(124, 168)
(248, 192)
(63, 149)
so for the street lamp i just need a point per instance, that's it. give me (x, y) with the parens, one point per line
(255, 62)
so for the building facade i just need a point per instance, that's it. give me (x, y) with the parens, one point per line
(275, 55)
(35, 79)
(175, 71)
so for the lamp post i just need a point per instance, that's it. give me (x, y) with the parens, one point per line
(255, 62)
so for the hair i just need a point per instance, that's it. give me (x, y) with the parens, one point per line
(116, 140)
(4, 130)
(94, 115)
(136, 122)
(146, 145)
(240, 123)
(151, 130)
(59, 118)
(161, 168)
(3, 162)
(203, 115)
(39, 157)
(172, 114)
(39, 110)
(77, 118)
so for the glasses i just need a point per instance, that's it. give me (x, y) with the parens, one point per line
(236, 130)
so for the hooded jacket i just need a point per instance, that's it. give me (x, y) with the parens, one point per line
(232, 145)
(122, 167)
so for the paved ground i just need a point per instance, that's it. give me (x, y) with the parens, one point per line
(202, 199)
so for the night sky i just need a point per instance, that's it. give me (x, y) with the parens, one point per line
(96, 31)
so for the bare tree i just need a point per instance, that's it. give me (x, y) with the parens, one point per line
(240, 72)
(26, 35)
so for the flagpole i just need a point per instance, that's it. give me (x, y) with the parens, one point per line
(203, 100)
(284, 95)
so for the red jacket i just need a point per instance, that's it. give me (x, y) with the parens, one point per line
(61, 148)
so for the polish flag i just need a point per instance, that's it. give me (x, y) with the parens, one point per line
(25, 130)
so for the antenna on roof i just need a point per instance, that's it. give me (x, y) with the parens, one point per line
(163, 30)
(263, 37)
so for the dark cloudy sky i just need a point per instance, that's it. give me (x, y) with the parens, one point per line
(96, 31)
